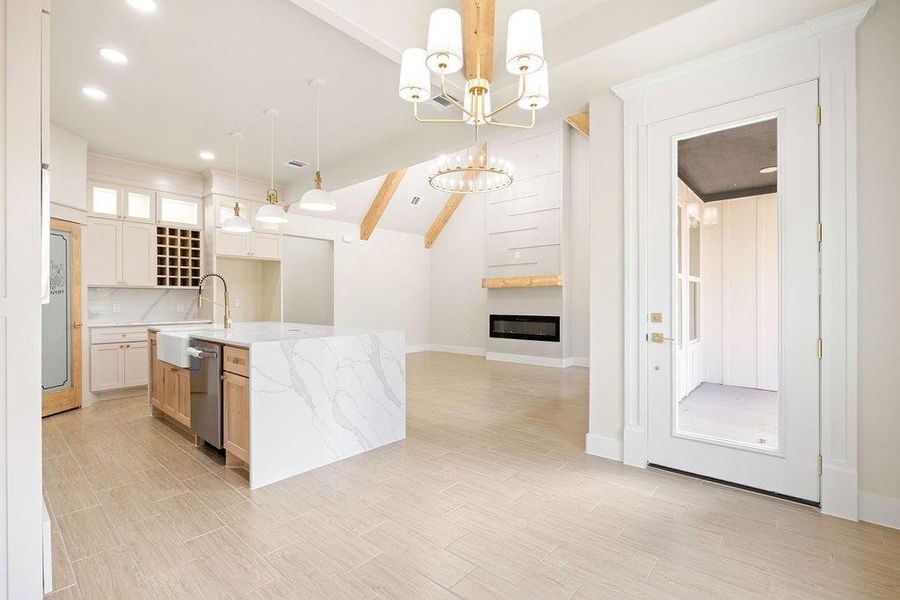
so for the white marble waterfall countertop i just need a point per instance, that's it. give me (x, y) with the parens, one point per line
(245, 335)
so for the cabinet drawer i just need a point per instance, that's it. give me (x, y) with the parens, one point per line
(237, 361)
(112, 335)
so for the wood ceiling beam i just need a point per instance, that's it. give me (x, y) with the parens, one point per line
(581, 122)
(443, 217)
(478, 37)
(380, 203)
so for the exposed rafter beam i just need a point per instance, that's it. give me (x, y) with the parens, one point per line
(380, 203)
(581, 121)
(443, 217)
(478, 37)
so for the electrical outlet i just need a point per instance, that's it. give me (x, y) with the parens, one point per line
(237, 302)
(341, 293)
(117, 308)
(180, 307)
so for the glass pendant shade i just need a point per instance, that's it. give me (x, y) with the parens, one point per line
(236, 223)
(445, 44)
(469, 173)
(524, 42)
(483, 102)
(537, 90)
(317, 200)
(271, 213)
(415, 80)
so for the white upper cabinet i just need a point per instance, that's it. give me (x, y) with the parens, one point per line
(137, 241)
(265, 245)
(175, 209)
(118, 253)
(138, 205)
(104, 200)
(117, 202)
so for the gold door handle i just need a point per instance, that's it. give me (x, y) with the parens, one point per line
(77, 324)
(658, 338)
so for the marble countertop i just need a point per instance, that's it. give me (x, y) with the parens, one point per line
(245, 334)
(151, 323)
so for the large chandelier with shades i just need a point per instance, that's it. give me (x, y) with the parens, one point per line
(465, 42)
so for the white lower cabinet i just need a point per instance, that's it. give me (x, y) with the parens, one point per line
(107, 367)
(119, 364)
(118, 252)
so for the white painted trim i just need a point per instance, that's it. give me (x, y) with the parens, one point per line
(602, 446)
(526, 359)
(418, 348)
(880, 510)
(581, 361)
(470, 350)
(823, 49)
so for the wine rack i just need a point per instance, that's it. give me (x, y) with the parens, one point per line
(177, 257)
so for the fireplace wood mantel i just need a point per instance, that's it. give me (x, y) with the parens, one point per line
(527, 281)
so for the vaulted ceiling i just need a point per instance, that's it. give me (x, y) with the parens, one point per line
(202, 68)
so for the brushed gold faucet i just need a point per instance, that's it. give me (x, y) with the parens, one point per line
(227, 322)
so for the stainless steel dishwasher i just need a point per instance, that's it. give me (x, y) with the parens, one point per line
(206, 391)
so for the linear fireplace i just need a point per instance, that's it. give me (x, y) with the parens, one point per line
(525, 327)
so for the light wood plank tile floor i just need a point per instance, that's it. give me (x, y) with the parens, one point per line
(490, 496)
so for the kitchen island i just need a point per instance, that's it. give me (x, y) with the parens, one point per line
(294, 396)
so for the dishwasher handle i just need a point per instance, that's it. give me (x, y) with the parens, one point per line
(198, 353)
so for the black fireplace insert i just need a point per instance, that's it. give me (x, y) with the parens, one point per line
(525, 327)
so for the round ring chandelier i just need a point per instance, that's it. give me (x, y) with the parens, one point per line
(469, 173)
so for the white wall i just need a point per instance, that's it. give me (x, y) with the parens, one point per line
(68, 174)
(380, 283)
(253, 284)
(459, 318)
(308, 275)
(578, 274)
(878, 83)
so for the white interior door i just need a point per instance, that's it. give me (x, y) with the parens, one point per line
(787, 464)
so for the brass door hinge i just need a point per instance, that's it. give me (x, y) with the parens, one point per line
(819, 465)
(818, 114)
(819, 349)
(819, 232)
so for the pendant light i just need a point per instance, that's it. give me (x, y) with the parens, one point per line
(317, 199)
(236, 223)
(271, 212)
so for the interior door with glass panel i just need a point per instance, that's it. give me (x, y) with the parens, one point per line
(732, 354)
(61, 322)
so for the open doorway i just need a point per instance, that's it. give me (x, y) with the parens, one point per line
(308, 268)
(727, 284)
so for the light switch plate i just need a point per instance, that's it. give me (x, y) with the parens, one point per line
(656, 317)
(180, 307)
(117, 308)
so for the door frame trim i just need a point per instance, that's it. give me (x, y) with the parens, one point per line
(822, 49)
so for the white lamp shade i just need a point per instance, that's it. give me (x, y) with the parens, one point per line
(469, 101)
(236, 224)
(271, 213)
(445, 44)
(693, 211)
(710, 215)
(318, 200)
(415, 80)
(524, 42)
(537, 90)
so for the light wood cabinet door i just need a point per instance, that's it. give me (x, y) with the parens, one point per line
(107, 367)
(236, 415)
(266, 245)
(102, 240)
(183, 410)
(232, 244)
(137, 241)
(170, 387)
(157, 392)
(135, 364)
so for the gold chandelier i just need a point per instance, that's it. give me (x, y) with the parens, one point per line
(467, 171)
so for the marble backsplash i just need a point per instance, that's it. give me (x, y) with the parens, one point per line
(140, 305)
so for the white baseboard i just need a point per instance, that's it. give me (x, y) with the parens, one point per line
(418, 348)
(840, 496)
(539, 361)
(881, 510)
(470, 350)
(581, 361)
(604, 447)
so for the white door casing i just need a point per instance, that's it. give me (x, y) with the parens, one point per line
(791, 468)
(823, 48)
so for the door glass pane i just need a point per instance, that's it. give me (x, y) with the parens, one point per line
(56, 324)
(174, 210)
(138, 205)
(679, 266)
(104, 201)
(727, 371)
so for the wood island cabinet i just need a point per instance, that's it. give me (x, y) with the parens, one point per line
(236, 412)
(170, 388)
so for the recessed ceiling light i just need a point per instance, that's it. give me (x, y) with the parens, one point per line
(144, 5)
(94, 93)
(207, 155)
(113, 56)
(768, 169)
